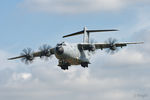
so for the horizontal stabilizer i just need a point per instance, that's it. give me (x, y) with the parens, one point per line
(88, 31)
(102, 30)
(76, 33)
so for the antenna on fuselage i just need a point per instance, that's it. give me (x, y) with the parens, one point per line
(86, 33)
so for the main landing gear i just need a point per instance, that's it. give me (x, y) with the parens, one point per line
(64, 65)
(84, 64)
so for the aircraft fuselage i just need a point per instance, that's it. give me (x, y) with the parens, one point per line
(72, 55)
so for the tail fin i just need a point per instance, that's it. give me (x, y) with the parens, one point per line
(86, 33)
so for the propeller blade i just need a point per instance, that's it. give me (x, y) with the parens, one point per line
(27, 56)
(112, 48)
(45, 51)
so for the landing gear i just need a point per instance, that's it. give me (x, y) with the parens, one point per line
(84, 64)
(64, 65)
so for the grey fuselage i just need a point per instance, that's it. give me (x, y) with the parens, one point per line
(72, 54)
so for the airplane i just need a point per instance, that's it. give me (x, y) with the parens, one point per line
(73, 53)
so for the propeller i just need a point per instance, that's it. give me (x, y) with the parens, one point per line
(27, 55)
(45, 51)
(112, 48)
(92, 48)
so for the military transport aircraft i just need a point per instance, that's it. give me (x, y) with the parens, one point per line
(73, 53)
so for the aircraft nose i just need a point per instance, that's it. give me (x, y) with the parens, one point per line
(59, 50)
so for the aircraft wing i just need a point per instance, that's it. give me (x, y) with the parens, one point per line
(103, 46)
(29, 55)
(86, 46)
(35, 54)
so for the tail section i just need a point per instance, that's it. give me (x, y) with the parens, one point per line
(85, 36)
(87, 33)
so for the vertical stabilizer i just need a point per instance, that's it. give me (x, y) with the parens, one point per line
(85, 36)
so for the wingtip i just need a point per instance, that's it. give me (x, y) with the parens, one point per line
(116, 30)
(9, 59)
(140, 43)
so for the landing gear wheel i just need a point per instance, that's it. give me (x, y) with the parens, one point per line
(64, 67)
(85, 64)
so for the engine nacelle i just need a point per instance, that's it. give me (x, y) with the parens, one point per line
(92, 48)
(112, 47)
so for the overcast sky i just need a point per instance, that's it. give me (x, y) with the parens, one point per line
(31, 23)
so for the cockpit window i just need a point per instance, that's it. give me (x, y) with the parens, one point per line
(61, 44)
(64, 44)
